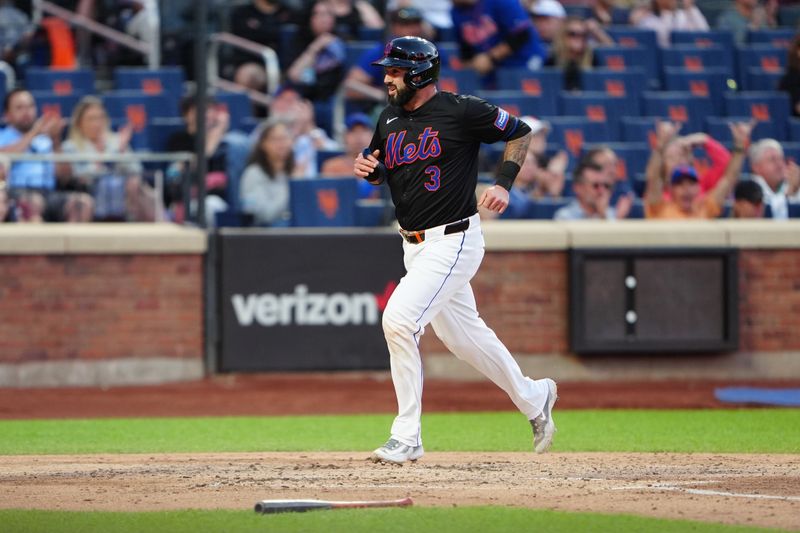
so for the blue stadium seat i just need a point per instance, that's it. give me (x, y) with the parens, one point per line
(758, 79)
(763, 106)
(63, 82)
(370, 34)
(723, 38)
(626, 57)
(356, 48)
(140, 140)
(794, 209)
(638, 129)
(323, 202)
(764, 56)
(718, 128)
(518, 103)
(160, 130)
(599, 107)
(794, 129)
(2, 86)
(544, 83)
(637, 210)
(698, 58)
(370, 213)
(678, 106)
(450, 51)
(574, 132)
(133, 103)
(238, 106)
(545, 208)
(632, 157)
(630, 36)
(61, 104)
(459, 81)
(629, 83)
(780, 37)
(791, 150)
(710, 82)
(165, 80)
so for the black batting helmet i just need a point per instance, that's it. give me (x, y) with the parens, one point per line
(418, 55)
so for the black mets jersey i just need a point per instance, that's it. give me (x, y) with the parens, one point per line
(431, 155)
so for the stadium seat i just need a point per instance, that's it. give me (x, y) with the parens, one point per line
(58, 81)
(710, 82)
(794, 129)
(763, 106)
(544, 83)
(160, 130)
(518, 103)
(791, 150)
(545, 208)
(238, 106)
(719, 129)
(323, 202)
(626, 57)
(572, 132)
(794, 209)
(599, 107)
(370, 213)
(698, 58)
(140, 140)
(459, 81)
(758, 79)
(638, 129)
(450, 52)
(61, 104)
(632, 157)
(165, 80)
(629, 83)
(678, 106)
(138, 108)
(632, 37)
(723, 38)
(780, 37)
(356, 48)
(2, 86)
(765, 56)
(370, 34)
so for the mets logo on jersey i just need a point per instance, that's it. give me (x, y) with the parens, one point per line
(502, 119)
(399, 154)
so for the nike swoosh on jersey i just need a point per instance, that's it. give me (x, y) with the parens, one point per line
(388, 120)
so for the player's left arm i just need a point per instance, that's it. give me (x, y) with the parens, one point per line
(495, 198)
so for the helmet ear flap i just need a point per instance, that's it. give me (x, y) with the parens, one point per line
(428, 72)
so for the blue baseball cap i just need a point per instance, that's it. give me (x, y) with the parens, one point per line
(683, 172)
(358, 119)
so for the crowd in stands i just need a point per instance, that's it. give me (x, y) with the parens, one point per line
(639, 108)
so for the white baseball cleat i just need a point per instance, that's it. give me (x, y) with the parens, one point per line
(396, 452)
(543, 425)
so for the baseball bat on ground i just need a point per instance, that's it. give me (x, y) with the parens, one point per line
(299, 506)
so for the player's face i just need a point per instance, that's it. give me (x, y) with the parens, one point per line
(399, 94)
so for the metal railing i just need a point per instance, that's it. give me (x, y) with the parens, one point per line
(271, 64)
(151, 50)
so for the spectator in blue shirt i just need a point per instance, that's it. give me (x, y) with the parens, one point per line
(496, 33)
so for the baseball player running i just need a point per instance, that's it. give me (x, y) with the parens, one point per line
(425, 147)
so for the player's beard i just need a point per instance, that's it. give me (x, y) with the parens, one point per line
(402, 96)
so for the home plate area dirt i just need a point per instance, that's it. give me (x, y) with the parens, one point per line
(744, 489)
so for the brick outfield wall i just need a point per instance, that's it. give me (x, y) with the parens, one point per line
(523, 297)
(100, 307)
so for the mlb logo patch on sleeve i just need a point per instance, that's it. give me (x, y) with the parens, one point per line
(502, 119)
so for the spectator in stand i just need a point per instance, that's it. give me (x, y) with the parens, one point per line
(34, 184)
(298, 114)
(226, 152)
(680, 151)
(572, 52)
(260, 21)
(606, 158)
(320, 67)
(548, 18)
(541, 175)
(748, 200)
(16, 31)
(592, 195)
(436, 14)
(369, 78)
(663, 16)
(790, 82)
(354, 14)
(118, 189)
(607, 13)
(264, 189)
(779, 179)
(358, 135)
(746, 15)
(685, 197)
(495, 33)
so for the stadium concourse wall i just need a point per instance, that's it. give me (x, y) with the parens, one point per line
(117, 304)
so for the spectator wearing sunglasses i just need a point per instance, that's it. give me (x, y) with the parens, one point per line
(592, 187)
(573, 51)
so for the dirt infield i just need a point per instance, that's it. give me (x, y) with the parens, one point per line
(761, 490)
(733, 489)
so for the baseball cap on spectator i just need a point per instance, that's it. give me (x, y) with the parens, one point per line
(536, 125)
(406, 14)
(683, 172)
(358, 119)
(548, 8)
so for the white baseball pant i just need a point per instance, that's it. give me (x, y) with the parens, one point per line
(436, 290)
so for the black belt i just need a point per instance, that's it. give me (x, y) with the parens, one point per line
(416, 237)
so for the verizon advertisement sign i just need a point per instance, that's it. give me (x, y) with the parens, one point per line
(303, 301)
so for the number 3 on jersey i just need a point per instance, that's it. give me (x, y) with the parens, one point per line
(434, 174)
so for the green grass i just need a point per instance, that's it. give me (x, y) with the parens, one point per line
(421, 520)
(713, 431)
